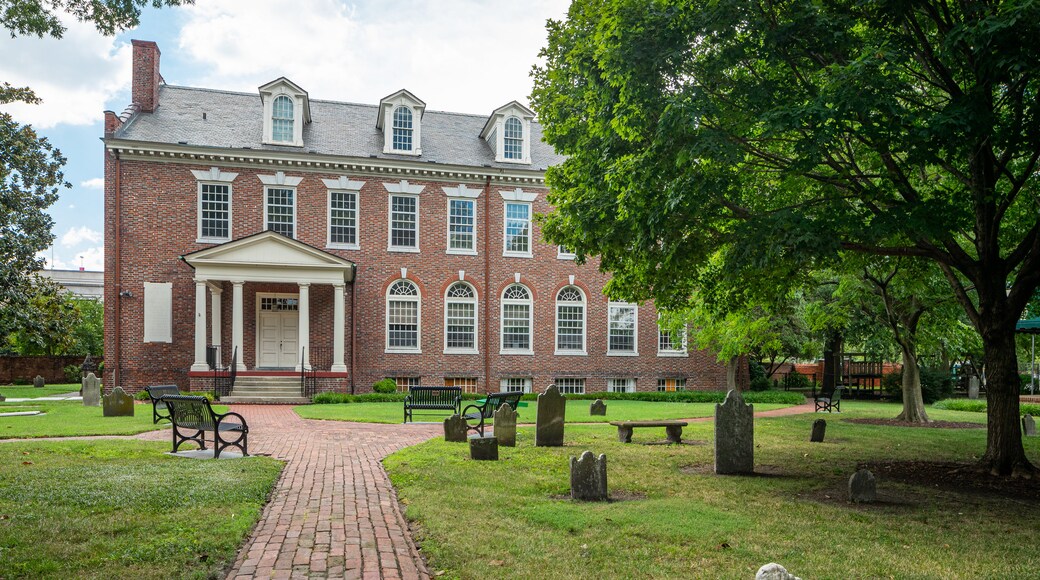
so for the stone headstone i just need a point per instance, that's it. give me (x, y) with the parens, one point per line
(118, 404)
(973, 387)
(819, 429)
(1028, 426)
(455, 429)
(598, 408)
(862, 487)
(734, 435)
(552, 407)
(91, 391)
(589, 477)
(2, 398)
(505, 425)
(774, 571)
(483, 448)
(38, 382)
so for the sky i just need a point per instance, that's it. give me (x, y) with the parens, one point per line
(468, 56)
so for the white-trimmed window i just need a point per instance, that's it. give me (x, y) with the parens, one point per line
(462, 226)
(214, 212)
(621, 385)
(570, 386)
(467, 384)
(402, 129)
(515, 385)
(343, 214)
(570, 321)
(280, 210)
(282, 120)
(517, 225)
(516, 320)
(513, 139)
(404, 222)
(671, 344)
(405, 383)
(671, 385)
(460, 319)
(622, 331)
(402, 317)
(564, 253)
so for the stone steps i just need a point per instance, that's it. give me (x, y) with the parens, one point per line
(266, 390)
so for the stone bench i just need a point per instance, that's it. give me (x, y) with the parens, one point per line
(672, 428)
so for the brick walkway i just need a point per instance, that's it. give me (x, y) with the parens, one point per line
(333, 513)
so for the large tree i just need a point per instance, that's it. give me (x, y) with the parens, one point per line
(795, 130)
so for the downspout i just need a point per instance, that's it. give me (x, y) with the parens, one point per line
(117, 275)
(487, 284)
(353, 325)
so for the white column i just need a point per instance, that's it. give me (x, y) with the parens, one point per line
(200, 327)
(305, 324)
(338, 324)
(236, 324)
(215, 305)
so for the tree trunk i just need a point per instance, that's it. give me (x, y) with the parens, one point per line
(732, 368)
(1004, 453)
(913, 400)
(832, 360)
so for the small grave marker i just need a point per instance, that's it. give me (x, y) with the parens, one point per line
(118, 404)
(862, 487)
(589, 477)
(38, 382)
(774, 571)
(973, 387)
(819, 429)
(1028, 425)
(734, 435)
(598, 407)
(552, 407)
(455, 429)
(483, 448)
(91, 391)
(505, 425)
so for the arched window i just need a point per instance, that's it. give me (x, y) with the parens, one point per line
(282, 119)
(402, 140)
(570, 321)
(514, 139)
(402, 316)
(516, 319)
(460, 318)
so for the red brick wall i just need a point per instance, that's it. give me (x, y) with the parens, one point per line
(159, 224)
(145, 89)
(51, 368)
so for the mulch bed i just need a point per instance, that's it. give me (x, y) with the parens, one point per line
(931, 425)
(952, 476)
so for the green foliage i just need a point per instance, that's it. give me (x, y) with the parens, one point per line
(73, 373)
(385, 386)
(40, 18)
(935, 384)
(797, 382)
(761, 384)
(771, 397)
(755, 370)
(89, 333)
(979, 406)
(330, 398)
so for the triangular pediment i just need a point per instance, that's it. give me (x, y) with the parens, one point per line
(267, 251)
(510, 108)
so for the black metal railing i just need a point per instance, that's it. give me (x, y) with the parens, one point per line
(320, 361)
(223, 377)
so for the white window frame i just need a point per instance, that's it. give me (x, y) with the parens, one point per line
(343, 185)
(584, 323)
(461, 251)
(502, 321)
(406, 382)
(571, 389)
(506, 252)
(611, 307)
(629, 385)
(411, 129)
(525, 384)
(417, 349)
(292, 119)
(390, 224)
(214, 176)
(295, 205)
(678, 388)
(562, 254)
(684, 352)
(300, 108)
(385, 121)
(476, 318)
(523, 140)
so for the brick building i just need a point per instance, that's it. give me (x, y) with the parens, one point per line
(366, 241)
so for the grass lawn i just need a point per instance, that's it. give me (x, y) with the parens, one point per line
(675, 518)
(72, 419)
(123, 509)
(31, 392)
(577, 411)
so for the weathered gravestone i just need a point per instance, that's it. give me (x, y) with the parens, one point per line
(455, 429)
(862, 487)
(505, 425)
(483, 448)
(1028, 426)
(589, 477)
(2, 398)
(973, 387)
(819, 429)
(734, 435)
(552, 406)
(118, 404)
(91, 391)
(774, 571)
(598, 408)
(38, 382)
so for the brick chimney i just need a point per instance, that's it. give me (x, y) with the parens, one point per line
(145, 91)
(112, 123)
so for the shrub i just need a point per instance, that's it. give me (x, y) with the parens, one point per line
(761, 383)
(21, 381)
(73, 373)
(979, 406)
(770, 397)
(797, 381)
(755, 370)
(935, 384)
(142, 395)
(385, 386)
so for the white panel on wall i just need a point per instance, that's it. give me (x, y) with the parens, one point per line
(158, 312)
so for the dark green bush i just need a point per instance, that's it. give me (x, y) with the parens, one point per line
(796, 382)
(771, 397)
(73, 374)
(385, 386)
(936, 384)
(755, 370)
(761, 384)
(979, 406)
(20, 381)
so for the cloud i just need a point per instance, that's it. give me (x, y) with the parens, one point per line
(95, 183)
(76, 236)
(457, 55)
(74, 75)
(91, 258)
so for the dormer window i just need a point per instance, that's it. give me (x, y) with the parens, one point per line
(402, 129)
(400, 120)
(286, 110)
(508, 133)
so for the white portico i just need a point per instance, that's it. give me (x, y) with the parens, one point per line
(283, 324)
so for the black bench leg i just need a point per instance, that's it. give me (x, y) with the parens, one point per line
(674, 433)
(179, 438)
(624, 434)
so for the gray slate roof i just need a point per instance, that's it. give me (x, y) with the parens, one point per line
(235, 120)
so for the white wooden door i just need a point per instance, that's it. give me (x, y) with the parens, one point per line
(279, 336)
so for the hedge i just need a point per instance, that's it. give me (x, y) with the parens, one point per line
(770, 397)
(979, 406)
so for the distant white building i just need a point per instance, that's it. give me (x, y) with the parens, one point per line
(80, 283)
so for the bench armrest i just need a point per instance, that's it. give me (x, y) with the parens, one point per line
(407, 399)
(219, 418)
